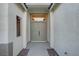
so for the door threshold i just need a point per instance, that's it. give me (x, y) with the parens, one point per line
(38, 41)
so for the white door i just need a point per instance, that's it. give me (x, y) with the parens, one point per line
(39, 31)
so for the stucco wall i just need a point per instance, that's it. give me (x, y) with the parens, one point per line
(16, 43)
(66, 21)
(3, 23)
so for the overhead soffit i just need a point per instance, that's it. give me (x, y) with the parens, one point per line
(37, 6)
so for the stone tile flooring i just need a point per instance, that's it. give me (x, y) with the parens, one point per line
(38, 49)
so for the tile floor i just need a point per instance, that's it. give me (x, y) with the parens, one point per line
(38, 49)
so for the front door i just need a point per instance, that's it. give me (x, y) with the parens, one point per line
(39, 31)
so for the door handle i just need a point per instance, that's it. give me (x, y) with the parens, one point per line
(39, 33)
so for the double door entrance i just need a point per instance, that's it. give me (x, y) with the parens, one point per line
(38, 31)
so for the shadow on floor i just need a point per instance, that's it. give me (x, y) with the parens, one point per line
(23, 52)
(52, 52)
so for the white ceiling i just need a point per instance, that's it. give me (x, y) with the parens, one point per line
(38, 7)
(38, 3)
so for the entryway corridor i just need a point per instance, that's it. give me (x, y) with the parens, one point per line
(39, 29)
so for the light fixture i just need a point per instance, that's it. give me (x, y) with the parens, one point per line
(39, 19)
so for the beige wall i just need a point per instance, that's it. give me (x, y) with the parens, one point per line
(3, 23)
(48, 28)
(28, 26)
(18, 42)
(66, 21)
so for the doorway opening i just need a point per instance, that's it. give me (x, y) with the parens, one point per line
(39, 27)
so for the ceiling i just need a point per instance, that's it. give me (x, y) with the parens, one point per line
(38, 7)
